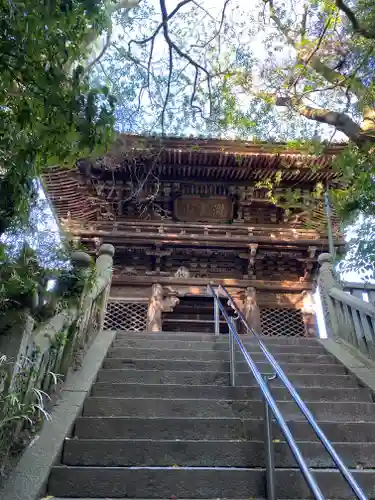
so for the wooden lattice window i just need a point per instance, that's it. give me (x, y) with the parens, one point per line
(126, 315)
(282, 322)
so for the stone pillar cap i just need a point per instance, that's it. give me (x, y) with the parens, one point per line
(107, 249)
(325, 257)
(81, 259)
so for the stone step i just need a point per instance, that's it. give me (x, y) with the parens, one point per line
(202, 337)
(190, 315)
(175, 391)
(198, 355)
(189, 320)
(218, 366)
(221, 453)
(156, 407)
(219, 345)
(180, 325)
(118, 482)
(216, 429)
(219, 378)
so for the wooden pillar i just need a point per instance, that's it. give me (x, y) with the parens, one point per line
(246, 302)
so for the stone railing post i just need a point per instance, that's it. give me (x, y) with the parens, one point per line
(81, 262)
(13, 346)
(327, 281)
(104, 268)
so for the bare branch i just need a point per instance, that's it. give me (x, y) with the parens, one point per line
(217, 33)
(181, 53)
(304, 21)
(104, 49)
(283, 29)
(167, 94)
(354, 21)
(169, 17)
(126, 5)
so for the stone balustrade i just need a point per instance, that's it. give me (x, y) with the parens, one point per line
(347, 315)
(37, 357)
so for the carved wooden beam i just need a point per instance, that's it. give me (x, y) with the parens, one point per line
(250, 256)
(309, 263)
(196, 283)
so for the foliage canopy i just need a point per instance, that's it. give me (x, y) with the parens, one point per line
(49, 113)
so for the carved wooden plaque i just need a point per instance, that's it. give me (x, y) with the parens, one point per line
(199, 209)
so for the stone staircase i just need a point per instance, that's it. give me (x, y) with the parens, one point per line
(162, 422)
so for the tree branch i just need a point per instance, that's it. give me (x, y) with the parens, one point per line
(340, 121)
(353, 20)
(104, 49)
(123, 4)
(314, 61)
(169, 17)
(182, 54)
(167, 94)
(217, 33)
(304, 21)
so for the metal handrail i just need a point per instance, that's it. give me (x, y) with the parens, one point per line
(271, 403)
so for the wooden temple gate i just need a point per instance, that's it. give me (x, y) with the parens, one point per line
(185, 213)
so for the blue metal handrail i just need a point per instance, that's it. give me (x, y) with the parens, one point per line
(311, 482)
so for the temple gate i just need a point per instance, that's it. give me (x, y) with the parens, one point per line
(183, 213)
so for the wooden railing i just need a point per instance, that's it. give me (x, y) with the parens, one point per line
(347, 315)
(38, 359)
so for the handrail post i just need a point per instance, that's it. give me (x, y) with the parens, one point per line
(216, 317)
(232, 353)
(269, 450)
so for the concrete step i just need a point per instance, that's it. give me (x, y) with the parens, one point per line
(216, 429)
(201, 355)
(208, 408)
(220, 345)
(175, 391)
(218, 366)
(202, 337)
(118, 482)
(218, 378)
(221, 453)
